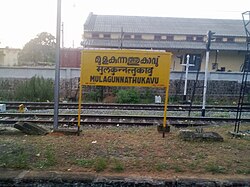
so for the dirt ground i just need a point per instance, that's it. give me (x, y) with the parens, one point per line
(128, 151)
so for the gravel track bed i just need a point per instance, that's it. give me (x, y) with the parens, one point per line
(143, 112)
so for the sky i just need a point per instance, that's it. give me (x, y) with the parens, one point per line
(23, 20)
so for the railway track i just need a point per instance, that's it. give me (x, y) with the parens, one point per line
(113, 106)
(97, 119)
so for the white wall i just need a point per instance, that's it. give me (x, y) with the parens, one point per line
(68, 73)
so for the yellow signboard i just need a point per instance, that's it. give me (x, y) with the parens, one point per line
(125, 68)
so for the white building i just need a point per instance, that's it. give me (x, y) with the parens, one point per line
(9, 56)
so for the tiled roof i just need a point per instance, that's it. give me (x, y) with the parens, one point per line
(163, 25)
(143, 44)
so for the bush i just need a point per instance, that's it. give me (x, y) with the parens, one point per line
(94, 96)
(148, 96)
(6, 95)
(128, 96)
(35, 89)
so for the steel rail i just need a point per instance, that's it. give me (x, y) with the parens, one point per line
(7, 118)
(49, 105)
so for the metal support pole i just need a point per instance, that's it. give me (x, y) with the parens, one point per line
(79, 108)
(57, 65)
(121, 46)
(62, 35)
(205, 85)
(165, 125)
(187, 65)
(186, 79)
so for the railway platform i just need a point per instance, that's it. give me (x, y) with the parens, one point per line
(56, 178)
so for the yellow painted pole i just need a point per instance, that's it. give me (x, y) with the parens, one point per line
(79, 108)
(80, 96)
(165, 108)
(165, 112)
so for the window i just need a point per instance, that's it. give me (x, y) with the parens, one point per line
(230, 39)
(138, 37)
(157, 37)
(127, 36)
(106, 36)
(214, 66)
(194, 59)
(223, 69)
(199, 38)
(170, 38)
(218, 39)
(95, 35)
(190, 38)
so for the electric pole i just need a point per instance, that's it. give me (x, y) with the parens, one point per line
(122, 33)
(62, 35)
(57, 65)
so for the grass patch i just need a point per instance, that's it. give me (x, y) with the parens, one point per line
(161, 166)
(177, 169)
(193, 165)
(243, 171)
(221, 115)
(200, 156)
(48, 159)
(14, 157)
(87, 163)
(118, 166)
(215, 168)
(100, 164)
(128, 150)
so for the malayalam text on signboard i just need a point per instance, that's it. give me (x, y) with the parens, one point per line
(125, 68)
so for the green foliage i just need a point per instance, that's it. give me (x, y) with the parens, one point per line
(48, 159)
(93, 96)
(243, 171)
(85, 163)
(128, 96)
(161, 166)
(118, 166)
(14, 157)
(39, 49)
(148, 96)
(214, 168)
(35, 89)
(200, 156)
(177, 169)
(6, 95)
(193, 165)
(100, 164)
(172, 99)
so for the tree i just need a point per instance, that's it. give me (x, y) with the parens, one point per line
(39, 49)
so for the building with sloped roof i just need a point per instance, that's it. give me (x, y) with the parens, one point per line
(181, 36)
